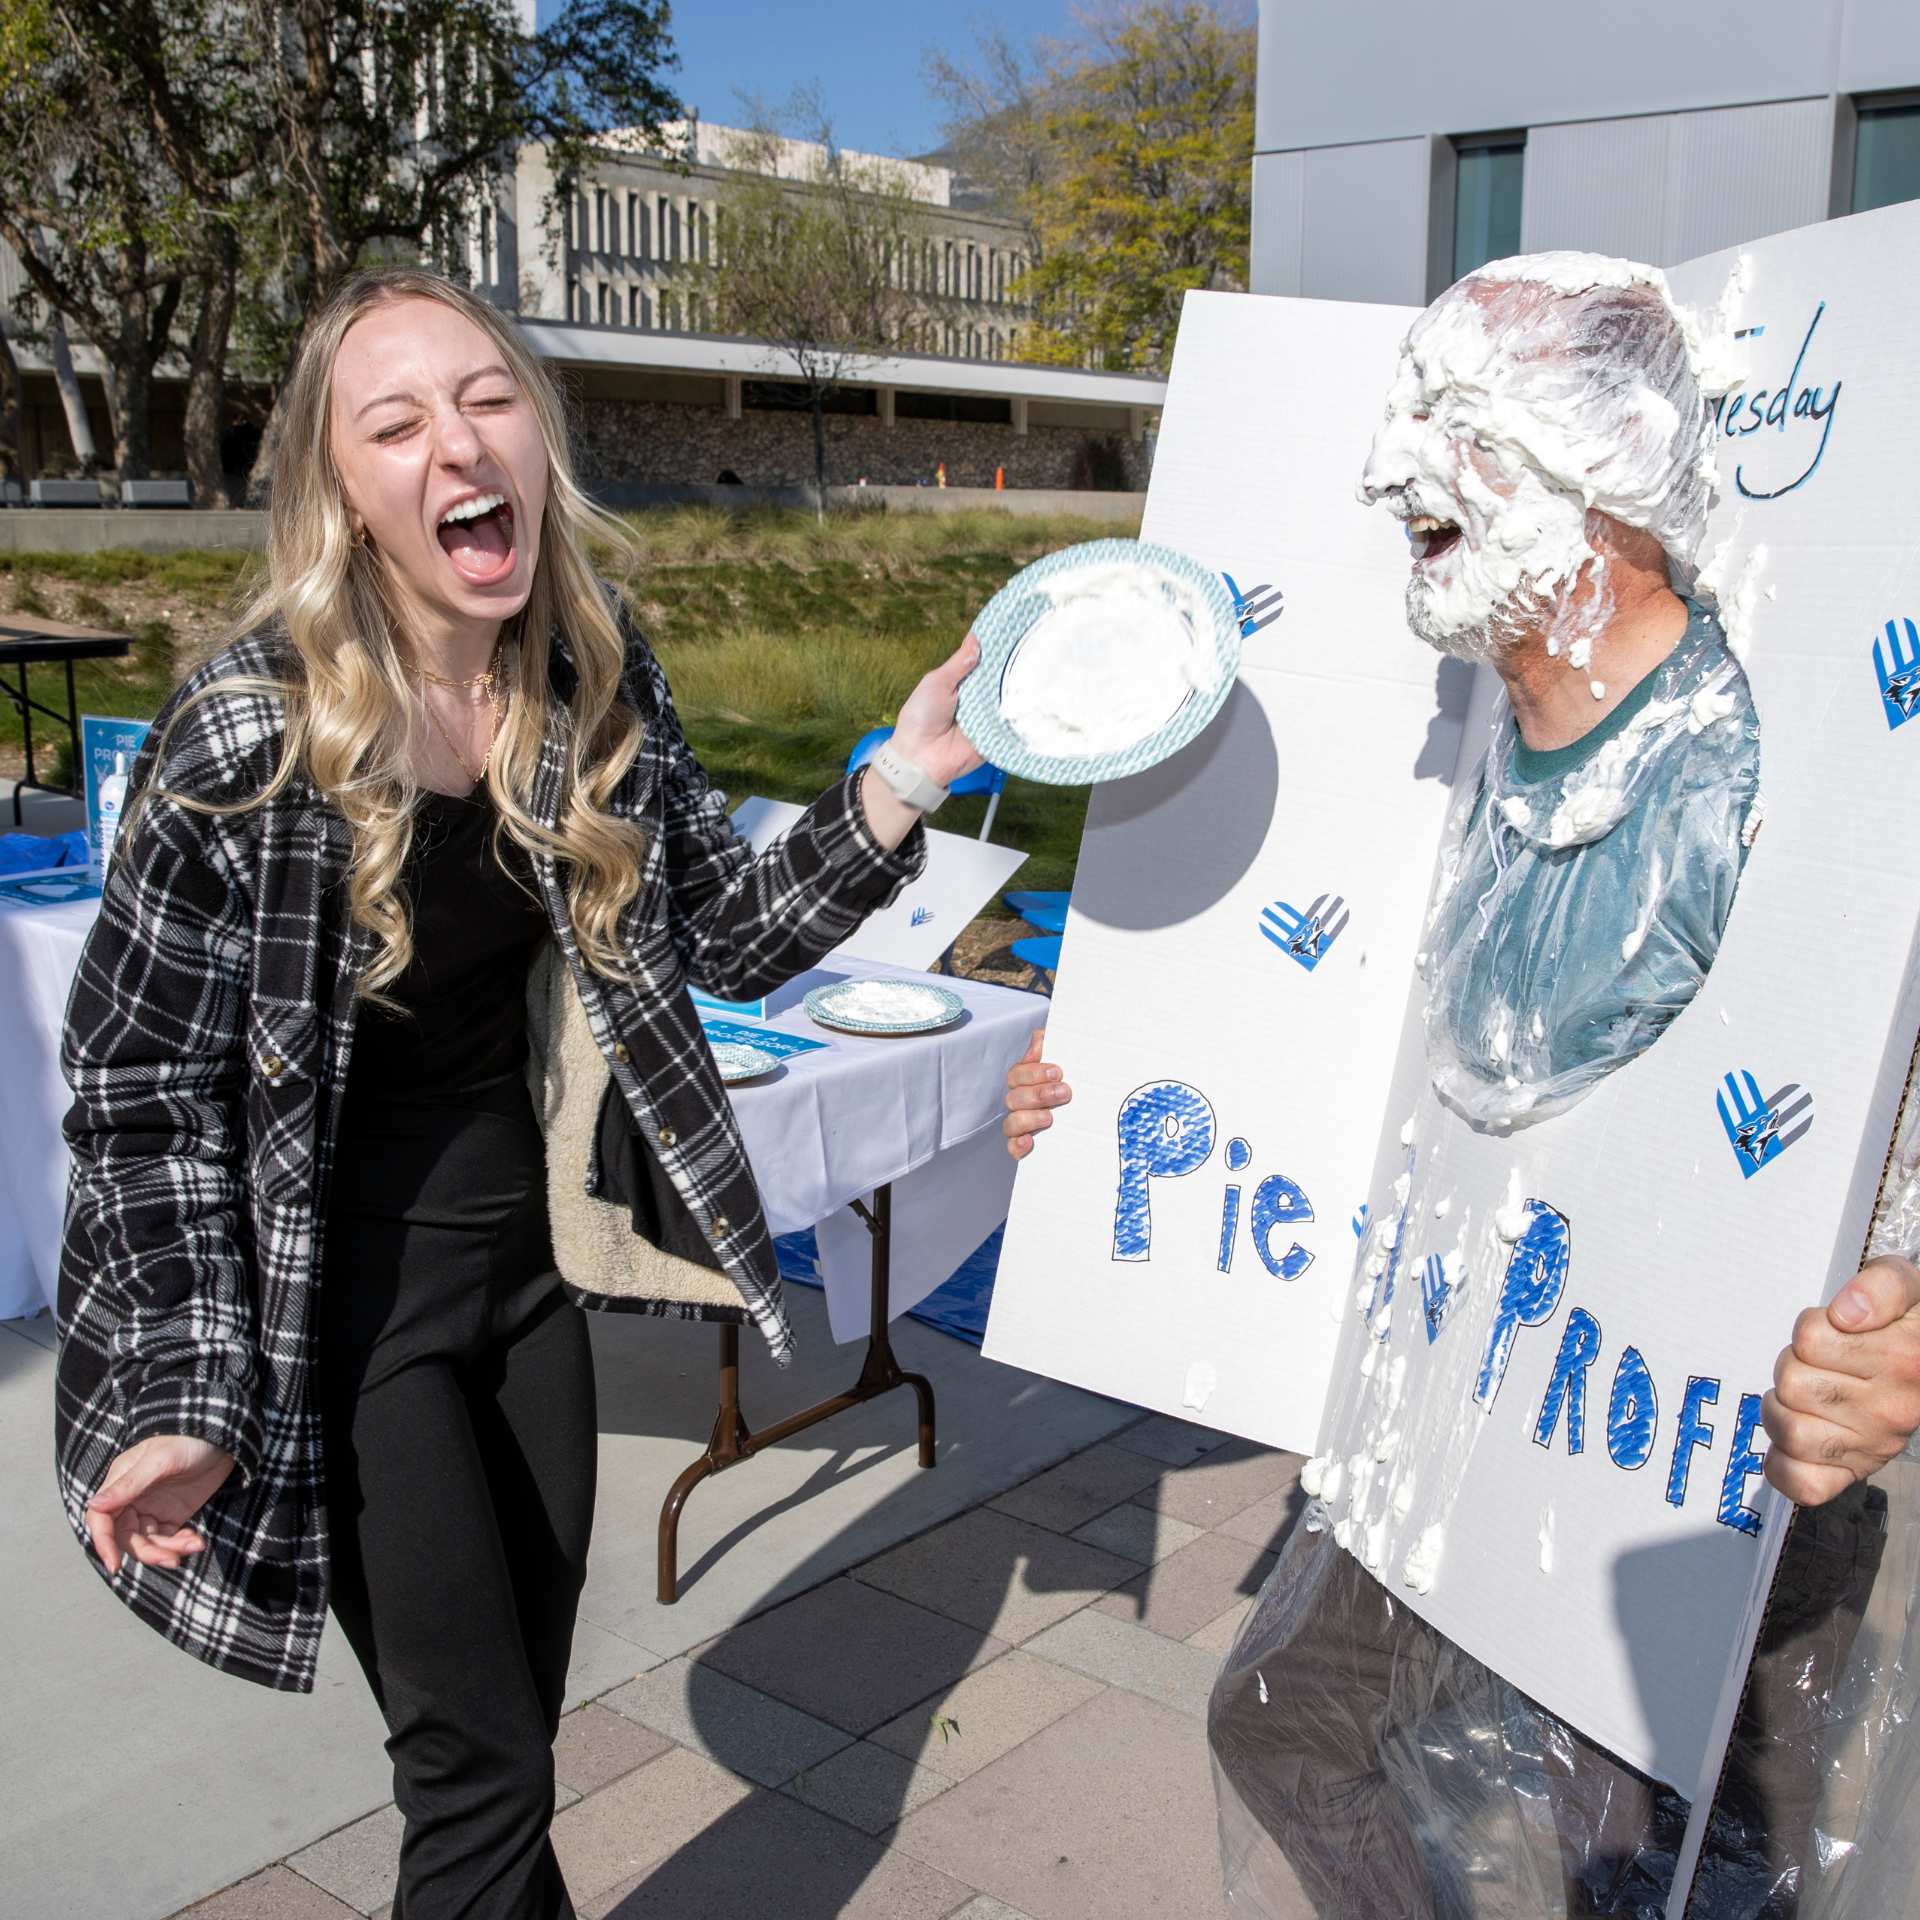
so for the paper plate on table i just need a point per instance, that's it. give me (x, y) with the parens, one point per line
(738, 1062)
(1041, 640)
(883, 1007)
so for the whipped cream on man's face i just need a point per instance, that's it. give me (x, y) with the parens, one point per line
(1513, 415)
(1493, 537)
(1118, 652)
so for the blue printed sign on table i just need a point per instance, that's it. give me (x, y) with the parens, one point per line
(108, 748)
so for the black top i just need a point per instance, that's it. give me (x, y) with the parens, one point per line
(460, 1039)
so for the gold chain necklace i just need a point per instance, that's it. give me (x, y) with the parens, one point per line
(494, 703)
(478, 680)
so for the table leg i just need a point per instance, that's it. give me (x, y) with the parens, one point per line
(22, 698)
(26, 780)
(73, 728)
(733, 1440)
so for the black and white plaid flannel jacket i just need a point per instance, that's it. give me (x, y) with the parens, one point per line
(207, 1044)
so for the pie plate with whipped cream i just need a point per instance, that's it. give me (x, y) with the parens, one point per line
(883, 1007)
(737, 1061)
(1100, 661)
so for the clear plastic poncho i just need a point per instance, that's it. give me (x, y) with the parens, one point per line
(1362, 1758)
(1365, 1761)
(1582, 894)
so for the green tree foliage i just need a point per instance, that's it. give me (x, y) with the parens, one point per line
(103, 233)
(179, 174)
(1130, 159)
(810, 253)
(397, 121)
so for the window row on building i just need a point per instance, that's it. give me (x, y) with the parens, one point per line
(1490, 176)
(605, 301)
(629, 224)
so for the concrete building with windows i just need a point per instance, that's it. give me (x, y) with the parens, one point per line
(636, 217)
(1396, 150)
(596, 277)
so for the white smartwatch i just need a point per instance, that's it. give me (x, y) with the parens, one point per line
(906, 780)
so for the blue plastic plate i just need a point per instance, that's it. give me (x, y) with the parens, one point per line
(942, 1009)
(1006, 620)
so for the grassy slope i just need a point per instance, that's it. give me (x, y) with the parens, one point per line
(162, 600)
(784, 640)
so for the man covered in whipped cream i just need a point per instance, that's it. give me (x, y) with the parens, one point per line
(1550, 450)
(1548, 445)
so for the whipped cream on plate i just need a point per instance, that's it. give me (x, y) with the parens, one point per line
(1119, 651)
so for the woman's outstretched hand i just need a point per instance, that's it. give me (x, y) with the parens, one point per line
(928, 736)
(150, 1494)
(927, 733)
(1034, 1089)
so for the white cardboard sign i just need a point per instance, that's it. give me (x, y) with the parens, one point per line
(961, 876)
(1584, 1426)
(1242, 915)
(1618, 1582)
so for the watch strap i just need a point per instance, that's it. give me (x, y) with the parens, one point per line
(906, 780)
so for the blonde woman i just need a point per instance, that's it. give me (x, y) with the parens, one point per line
(315, 1351)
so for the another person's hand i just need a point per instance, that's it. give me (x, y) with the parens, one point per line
(1034, 1089)
(150, 1494)
(926, 733)
(1846, 1394)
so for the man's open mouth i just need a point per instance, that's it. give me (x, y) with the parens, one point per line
(476, 534)
(1430, 538)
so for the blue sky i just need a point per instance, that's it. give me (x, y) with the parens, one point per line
(865, 53)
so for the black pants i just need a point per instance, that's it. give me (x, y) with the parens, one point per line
(458, 1408)
(1370, 1747)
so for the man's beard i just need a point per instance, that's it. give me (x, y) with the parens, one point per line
(1486, 639)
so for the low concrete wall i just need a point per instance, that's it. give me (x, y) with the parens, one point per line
(1126, 507)
(143, 529)
(169, 530)
(1091, 506)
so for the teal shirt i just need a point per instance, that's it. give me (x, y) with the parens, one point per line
(1591, 885)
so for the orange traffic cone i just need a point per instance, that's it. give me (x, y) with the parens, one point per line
(999, 479)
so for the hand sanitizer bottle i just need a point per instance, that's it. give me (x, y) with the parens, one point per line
(113, 796)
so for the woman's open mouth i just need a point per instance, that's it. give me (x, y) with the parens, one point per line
(477, 536)
(1430, 538)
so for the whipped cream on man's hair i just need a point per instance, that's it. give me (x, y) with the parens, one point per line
(1536, 390)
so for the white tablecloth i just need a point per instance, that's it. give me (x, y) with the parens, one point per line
(39, 950)
(922, 1113)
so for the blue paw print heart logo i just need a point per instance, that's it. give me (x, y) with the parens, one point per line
(1896, 661)
(1436, 1295)
(1761, 1130)
(920, 916)
(1257, 607)
(1305, 937)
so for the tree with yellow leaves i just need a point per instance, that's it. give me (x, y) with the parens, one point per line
(1135, 163)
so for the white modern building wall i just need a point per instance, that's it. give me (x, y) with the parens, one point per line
(1397, 147)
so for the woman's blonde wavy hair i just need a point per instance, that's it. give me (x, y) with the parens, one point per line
(350, 715)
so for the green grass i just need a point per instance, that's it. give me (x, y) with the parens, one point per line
(198, 571)
(785, 640)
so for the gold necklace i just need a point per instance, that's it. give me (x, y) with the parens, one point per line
(478, 680)
(494, 703)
